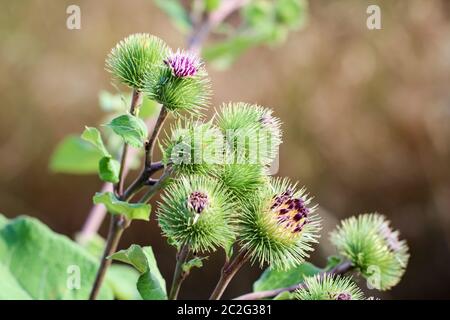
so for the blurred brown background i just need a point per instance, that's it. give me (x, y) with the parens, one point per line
(366, 119)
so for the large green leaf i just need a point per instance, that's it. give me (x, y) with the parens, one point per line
(151, 285)
(132, 129)
(274, 279)
(74, 155)
(3, 221)
(36, 263)
(133, 211)
(122, 280)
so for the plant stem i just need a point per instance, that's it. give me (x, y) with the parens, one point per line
(341, 268)
(151, 142)
(117, 226)
(229, 270)
(135, 101)
(118, 222)
(179, 275)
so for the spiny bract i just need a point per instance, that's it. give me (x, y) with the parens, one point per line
(277, 226)
(374, 248)
(193, 147)
(329, 287)
(177, 87)
(197, 211)
(135, 56)
(251, 131)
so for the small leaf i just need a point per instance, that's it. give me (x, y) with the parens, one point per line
(151, 285)
(132, 129)
(196, 262)
(211, 5)
(76, 156)
(274, 279)
(134, 256)
(292, 13)
(133, 211)
(93, 136)
(108, 169)
(223, 54)
(176, 13)
(332, 262)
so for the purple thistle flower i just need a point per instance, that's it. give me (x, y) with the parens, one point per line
(197, 201)
(291, 212)
(183, 64)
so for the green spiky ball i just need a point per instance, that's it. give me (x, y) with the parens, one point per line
(252, 132)
(193, 147)
(278, 227)
(197, 210)
(135, 56)
(178, 94)
(374, 248)
(329, 287)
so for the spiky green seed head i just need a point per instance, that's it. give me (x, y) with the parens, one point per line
(241, 179)
(278, 226)
(251, 131)
(135, 56)
(374, 248)
(329, 287)
(180, 83)
(197, 210)
(193, 147)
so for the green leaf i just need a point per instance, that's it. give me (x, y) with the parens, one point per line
(151, 285)
(36, 263)
(274, 279)
(3, 220)
(176, 12)
(258, 13)
(94, 244)
(332, 262)
(94, 136)
(122, 280)
(108, 169)
(292, 13)
(133, 211)
(223, 54)
(134, 256)
(211, 5)
(196, 262)
(76, 156)
(285, 295)
(132, 129)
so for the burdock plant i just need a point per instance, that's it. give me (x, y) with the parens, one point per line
(217, 192)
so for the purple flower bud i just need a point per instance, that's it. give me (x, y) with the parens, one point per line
(344, 296)
(183, 64)
(197, 201)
